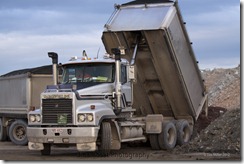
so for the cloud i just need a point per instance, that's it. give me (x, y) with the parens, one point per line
(21, 50)
(30, 29)
(48, 22)
(216, 36)
(54, 17)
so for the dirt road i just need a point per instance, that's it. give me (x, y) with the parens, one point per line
(11, 152)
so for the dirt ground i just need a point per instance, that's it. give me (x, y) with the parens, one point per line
(11, 153)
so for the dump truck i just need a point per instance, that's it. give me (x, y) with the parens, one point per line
(20, 92)
(146, 88)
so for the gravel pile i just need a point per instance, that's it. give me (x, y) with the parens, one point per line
(223, 135)
(223, 86)
(221, 131)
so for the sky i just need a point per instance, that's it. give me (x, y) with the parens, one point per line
(29, 29)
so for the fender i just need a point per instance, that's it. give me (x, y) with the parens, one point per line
(116, 138)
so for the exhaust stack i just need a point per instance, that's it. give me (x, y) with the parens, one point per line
(117, 54)
(54, 57)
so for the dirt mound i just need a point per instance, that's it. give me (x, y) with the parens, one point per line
(223, 86)
(203, 121)
(220, 132)
(223, 135)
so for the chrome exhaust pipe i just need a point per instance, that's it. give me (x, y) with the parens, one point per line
(118, 87)
(54, 57)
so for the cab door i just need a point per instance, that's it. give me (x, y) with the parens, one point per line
(126, 87)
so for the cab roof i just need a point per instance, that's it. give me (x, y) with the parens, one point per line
(80, 60)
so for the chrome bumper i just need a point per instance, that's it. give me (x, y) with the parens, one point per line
(84, 137)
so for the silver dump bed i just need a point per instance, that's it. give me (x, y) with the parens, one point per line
(20, 90)
(156, 41)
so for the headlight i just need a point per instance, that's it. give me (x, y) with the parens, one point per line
(82, 118)
(32, 118)
(38, 118)
(35, 118)
(90, 117)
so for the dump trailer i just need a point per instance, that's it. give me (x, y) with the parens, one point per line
(147, 88)
(19, 93)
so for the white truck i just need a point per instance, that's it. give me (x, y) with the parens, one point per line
(148, 87)
(19, 93)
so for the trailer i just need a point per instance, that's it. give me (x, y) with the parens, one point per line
(19, 93)
(147, 88)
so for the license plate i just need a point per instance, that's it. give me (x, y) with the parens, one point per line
(57, 130)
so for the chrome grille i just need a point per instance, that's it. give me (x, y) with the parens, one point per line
(52, 109)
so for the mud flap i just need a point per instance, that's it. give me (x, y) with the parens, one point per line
(154, 124)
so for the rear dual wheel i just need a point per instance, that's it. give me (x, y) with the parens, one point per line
(167, 138)
(184, 132)
(153, 138)
(172, 134)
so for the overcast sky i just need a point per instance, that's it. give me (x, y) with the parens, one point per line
(31, 28)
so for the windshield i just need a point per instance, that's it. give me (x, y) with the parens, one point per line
(88, 73)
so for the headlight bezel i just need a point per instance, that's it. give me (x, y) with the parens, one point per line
(85, 117)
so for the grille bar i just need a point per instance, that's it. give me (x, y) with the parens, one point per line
(55, 109)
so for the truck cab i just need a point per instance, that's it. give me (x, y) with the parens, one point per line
(74, 110)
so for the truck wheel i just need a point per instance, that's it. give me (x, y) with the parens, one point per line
(17, 132)
(106, 139)
(3, 131)
(167, 138)
(154, 141)
(183, 132)
(46, 150)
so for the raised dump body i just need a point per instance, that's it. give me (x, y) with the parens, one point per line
(156, 41)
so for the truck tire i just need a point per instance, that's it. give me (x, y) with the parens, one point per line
(3, 131)
(18, 132)
(46, 150)
(167, 138)
(183, 132)
(153, 138)
(105, 139)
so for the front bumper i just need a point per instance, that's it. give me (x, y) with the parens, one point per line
(84, 137)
